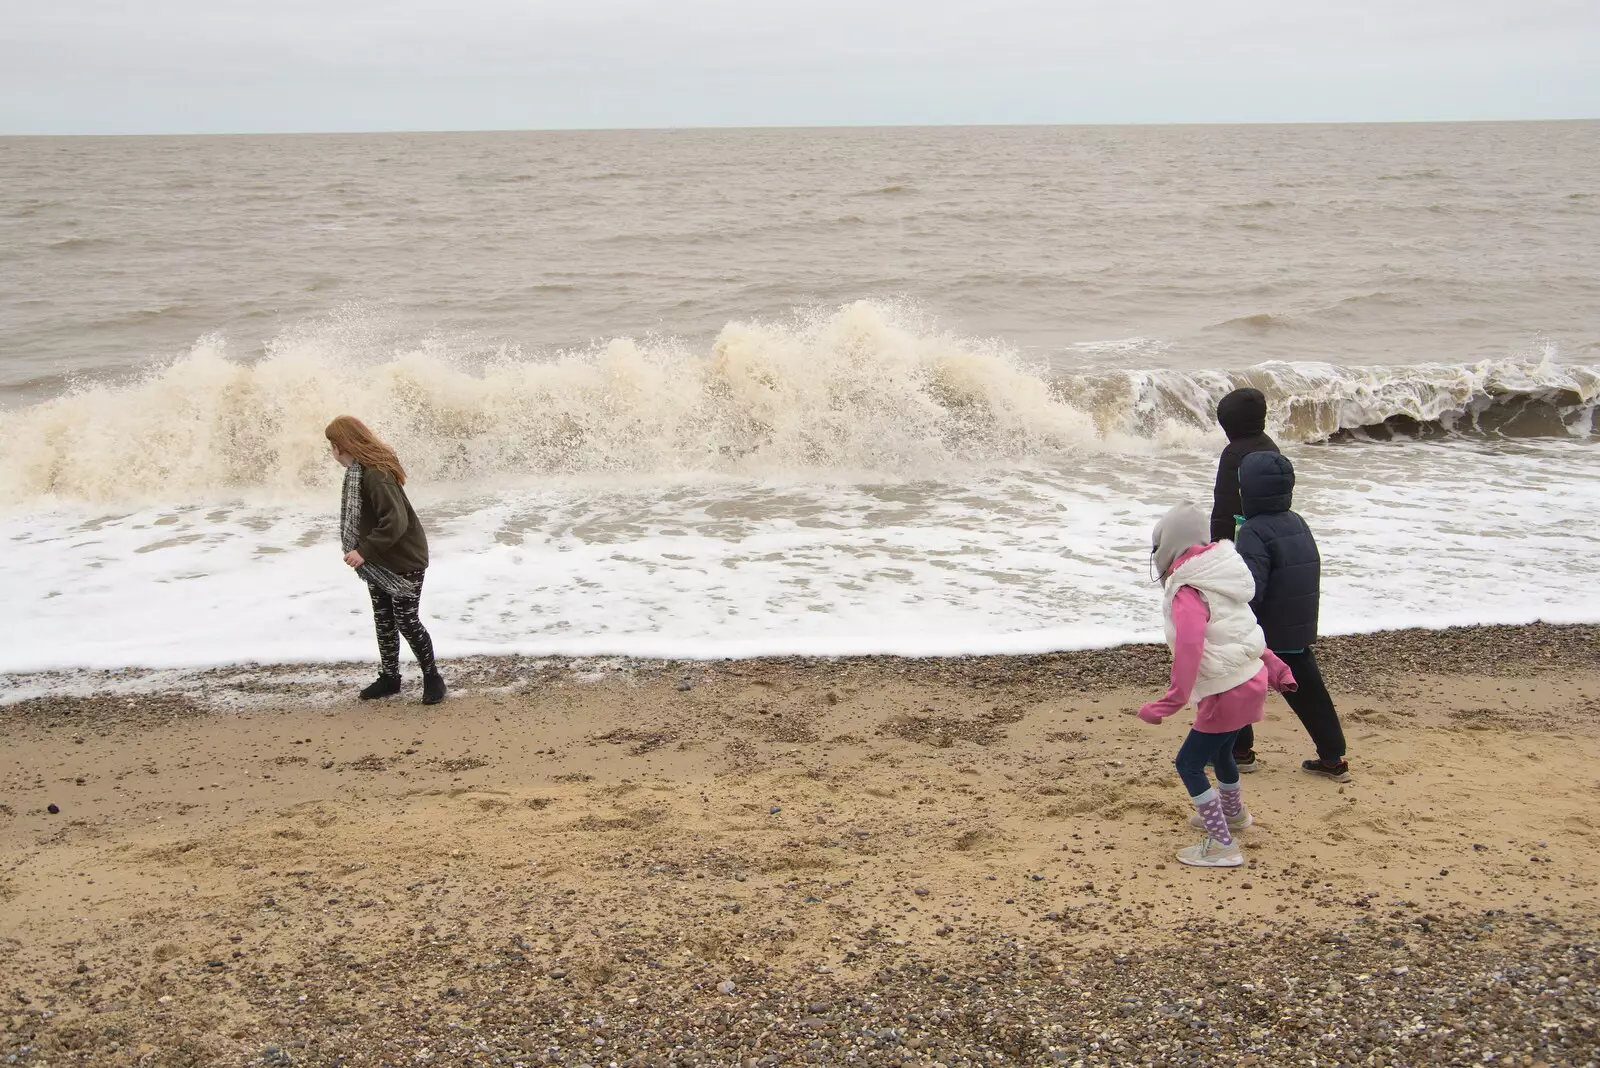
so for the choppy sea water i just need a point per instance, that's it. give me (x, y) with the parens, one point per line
(725, 393)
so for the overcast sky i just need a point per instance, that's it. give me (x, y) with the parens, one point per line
(214, 66)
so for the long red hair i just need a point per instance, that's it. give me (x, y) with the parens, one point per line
(351, 436)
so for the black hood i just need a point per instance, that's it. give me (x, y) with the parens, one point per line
(1266, 484)
(1243, 413)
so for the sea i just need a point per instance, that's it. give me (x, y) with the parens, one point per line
(721, 393)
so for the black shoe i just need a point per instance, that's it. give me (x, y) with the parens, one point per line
(1339, 772)
(1246, 762)
(433, 688)
(386, 686)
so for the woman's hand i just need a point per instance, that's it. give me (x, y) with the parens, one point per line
(1151, 714)
(353, 558)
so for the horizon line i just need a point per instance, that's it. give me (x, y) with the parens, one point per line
(811, 127)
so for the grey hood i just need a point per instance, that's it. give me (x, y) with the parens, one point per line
(1180, 530)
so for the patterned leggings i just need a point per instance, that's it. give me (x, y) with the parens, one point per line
(395, 616)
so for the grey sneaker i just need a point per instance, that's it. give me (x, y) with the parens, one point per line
(1211, 853)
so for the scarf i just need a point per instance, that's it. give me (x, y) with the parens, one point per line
(350, 537)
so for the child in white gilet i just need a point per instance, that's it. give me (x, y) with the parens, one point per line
(1221, 661)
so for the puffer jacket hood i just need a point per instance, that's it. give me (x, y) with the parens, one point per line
(1266, 484)
(1242, 413)
(1218, 572)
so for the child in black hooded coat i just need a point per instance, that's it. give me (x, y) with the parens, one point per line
(1242, 415)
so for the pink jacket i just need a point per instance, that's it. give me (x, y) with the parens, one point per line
(1220, 713)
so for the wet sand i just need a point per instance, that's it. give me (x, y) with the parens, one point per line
(870, 861)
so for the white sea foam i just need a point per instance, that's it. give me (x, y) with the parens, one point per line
(865, 388)
(1016, 561)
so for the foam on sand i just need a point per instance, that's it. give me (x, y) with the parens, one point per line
(1018, 561)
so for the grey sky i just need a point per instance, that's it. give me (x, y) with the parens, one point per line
(207, 66)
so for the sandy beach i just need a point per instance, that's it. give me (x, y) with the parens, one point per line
(872, 861)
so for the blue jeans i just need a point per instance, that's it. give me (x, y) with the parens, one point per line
(1200, 749)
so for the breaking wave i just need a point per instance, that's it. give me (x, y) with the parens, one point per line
(863, 389)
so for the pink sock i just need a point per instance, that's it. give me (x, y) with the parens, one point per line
(1232, 800)
(1210, 809)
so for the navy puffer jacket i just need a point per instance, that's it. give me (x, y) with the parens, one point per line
(1277, 545)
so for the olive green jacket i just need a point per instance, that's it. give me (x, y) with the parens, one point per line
(391, 534)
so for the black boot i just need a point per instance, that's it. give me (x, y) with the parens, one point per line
(386, 686)
(433, 688)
